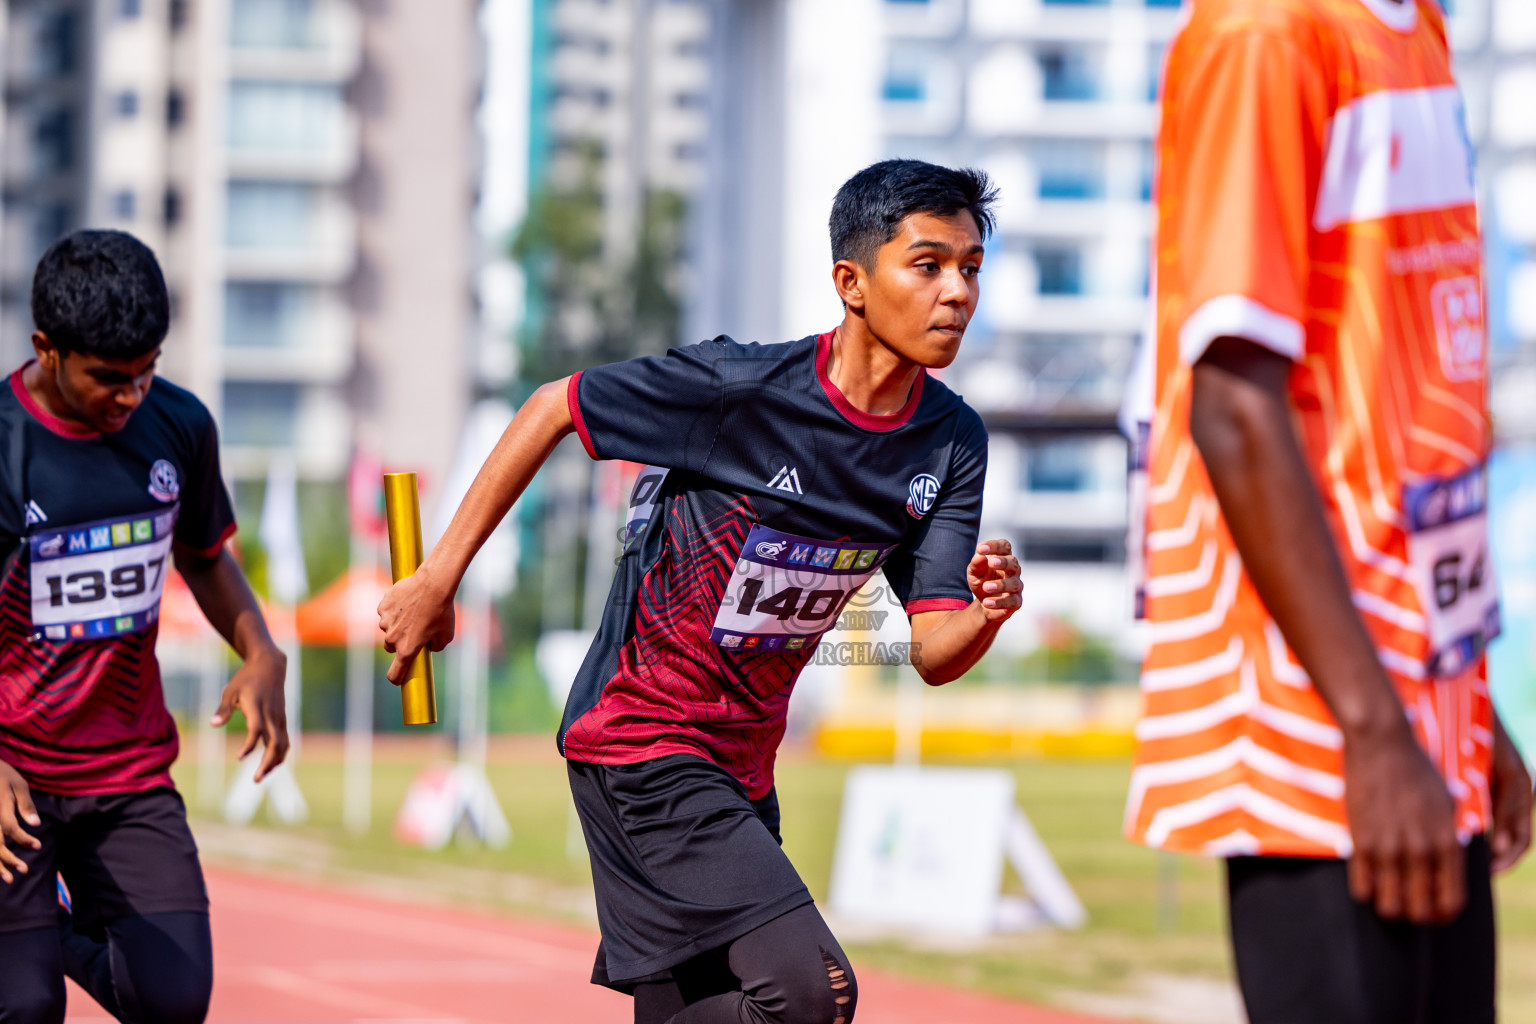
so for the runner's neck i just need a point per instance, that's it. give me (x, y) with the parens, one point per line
(45, 392)
(872, 378)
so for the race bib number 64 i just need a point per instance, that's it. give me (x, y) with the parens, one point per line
(100, 579)
(788, 590)
(1453, 573)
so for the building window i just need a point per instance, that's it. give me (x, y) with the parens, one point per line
(172, 211)
(126, 104)
(1061, 271)
(1068, 75)
(175, 108)
(1072, 549)
(52, 223)
(53, 142)
(906, 74)
(1057, 467)
(261, 314)
(56, 44)
(261, 414)
(285, 117)
(1070, 169)
(904, 87)
(273, 25)
(178, 15)
(124, 204)
(130, 8)
(270, 215)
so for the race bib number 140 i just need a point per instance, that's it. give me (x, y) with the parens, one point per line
(1453, 573)
(787, 590)
(100, 579)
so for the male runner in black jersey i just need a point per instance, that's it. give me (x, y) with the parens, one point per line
(785, 476)
(104, 480)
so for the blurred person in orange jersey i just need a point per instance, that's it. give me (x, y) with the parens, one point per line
(1318, 581)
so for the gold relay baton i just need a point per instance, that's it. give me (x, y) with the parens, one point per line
(402, 511)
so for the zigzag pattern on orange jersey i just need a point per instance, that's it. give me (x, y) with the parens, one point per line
(1315, 196)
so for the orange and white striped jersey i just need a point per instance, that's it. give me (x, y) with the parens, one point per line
(1316, 197)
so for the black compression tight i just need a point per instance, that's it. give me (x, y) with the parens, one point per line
(155, 969)
(789, 971)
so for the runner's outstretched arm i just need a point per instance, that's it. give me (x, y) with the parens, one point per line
(946, 644)
(417, 612)
(1401, 816)
(256, 688)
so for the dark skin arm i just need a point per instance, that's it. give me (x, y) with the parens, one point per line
(417, 612)
(256, 688)
(1407, 859)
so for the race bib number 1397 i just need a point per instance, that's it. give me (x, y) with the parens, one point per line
(100, 579)
(787, 590)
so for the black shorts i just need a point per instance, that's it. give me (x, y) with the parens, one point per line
(682, 863)
(1307, 953)
(121, 855)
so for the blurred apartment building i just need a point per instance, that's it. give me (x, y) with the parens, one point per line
(624, 82)
(1495, 43)
(1057, 100)
(617, 120)
(307, 170)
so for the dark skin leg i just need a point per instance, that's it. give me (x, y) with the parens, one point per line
(1407, 859)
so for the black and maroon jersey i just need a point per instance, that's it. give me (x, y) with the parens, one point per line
(771, 502)
(87, 523)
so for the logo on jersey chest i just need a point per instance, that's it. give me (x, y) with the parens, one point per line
(1459, 327)
(922, 492)
(787, 479)
(164, 483)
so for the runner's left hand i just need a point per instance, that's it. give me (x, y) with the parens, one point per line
(1511, 803)
(994, 577)
(256, 689)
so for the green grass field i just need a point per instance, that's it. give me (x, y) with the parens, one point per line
(1075, 805)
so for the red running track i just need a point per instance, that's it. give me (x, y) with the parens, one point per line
(299, 954)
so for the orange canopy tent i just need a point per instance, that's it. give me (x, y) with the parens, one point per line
(321, 620)
(180, 617)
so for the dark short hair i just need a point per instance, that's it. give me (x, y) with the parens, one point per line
(871, 205)
(101, 292)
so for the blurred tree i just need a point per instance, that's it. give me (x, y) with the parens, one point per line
(592, 299)
(590, 305)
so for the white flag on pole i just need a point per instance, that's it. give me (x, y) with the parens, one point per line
(279, 534)
(287, 583)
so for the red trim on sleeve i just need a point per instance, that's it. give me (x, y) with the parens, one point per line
(574, 402)
(937, 604)
(213, 552)
(859, 417)
(62, 427)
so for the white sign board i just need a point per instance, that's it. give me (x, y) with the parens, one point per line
(922, 847)
(441, 798)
